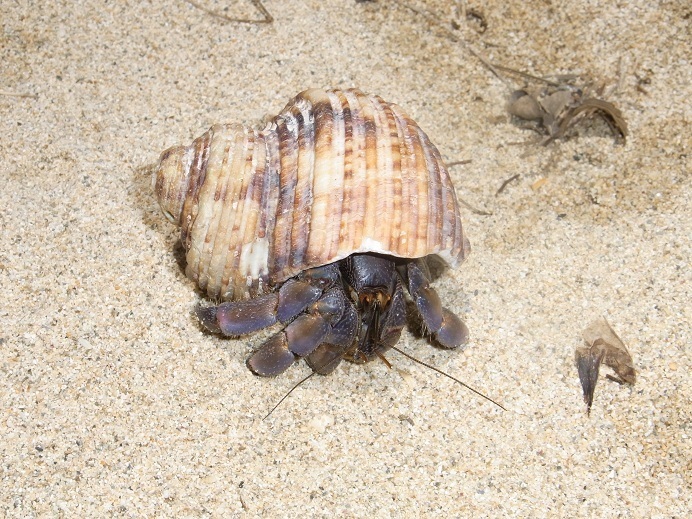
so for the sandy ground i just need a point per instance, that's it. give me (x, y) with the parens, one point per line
(113, 401)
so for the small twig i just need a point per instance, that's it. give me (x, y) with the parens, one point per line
(526, 75)
(436, 19)
(242, 502)
(459, 163)
(506, 182)
(473, 209)
(17, 94)
(461, 200)
(268, 18)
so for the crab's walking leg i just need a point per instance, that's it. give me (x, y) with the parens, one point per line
(301, 337)
(294, 296)
(446, 328)
(241, 317)
(328, 355)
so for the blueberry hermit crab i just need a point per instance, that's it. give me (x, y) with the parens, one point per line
(320, 221)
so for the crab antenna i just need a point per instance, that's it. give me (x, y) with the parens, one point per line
(286, 395)
(316, 370)
(383, 359)
(414, 359)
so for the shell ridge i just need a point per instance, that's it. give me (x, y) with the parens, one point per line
(227, 187)
(394, 153)
(219, 238)
(423, 188)
(433, 233)
(334, 213)
(288, 142)
(252, 261)
(302, 205)
(197, 173)
(403, 241)
(371, 214)
(416, 218)
(450, 223)
(345, 213)
(323, 164)
(397, 178)
(197, 256)
(269, 203)
(353, 213)
(385, 175)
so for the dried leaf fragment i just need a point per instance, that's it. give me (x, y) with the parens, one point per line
(602, 344)
(539, 183)
(590, 107)
(554, 108)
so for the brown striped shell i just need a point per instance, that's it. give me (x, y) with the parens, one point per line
(335, 173)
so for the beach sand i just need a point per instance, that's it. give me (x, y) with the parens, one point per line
(113, 400)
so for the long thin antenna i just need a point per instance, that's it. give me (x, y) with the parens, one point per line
(286, 395)
(414, 359)
(383, 359)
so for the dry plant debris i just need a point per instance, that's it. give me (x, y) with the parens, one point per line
(9, 93)
(557, 106)
(602, 344)
(472, 15)
(266, 17)
(506, 183)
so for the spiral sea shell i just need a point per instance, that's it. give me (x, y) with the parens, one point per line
(335, 173)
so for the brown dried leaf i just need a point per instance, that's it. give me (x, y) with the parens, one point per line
(602, 345)
(561, 104)
(588, 364)
(591, 106)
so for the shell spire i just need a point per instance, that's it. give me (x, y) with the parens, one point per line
(335, 173)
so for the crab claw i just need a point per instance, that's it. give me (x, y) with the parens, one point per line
(207, 316)
(327, 356)
(453, 332)
(242, 317)
(430, 308)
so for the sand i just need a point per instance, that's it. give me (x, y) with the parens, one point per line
(113, 401)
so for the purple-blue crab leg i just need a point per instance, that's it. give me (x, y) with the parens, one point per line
(302, 336)
(446, 328)
(242, 317)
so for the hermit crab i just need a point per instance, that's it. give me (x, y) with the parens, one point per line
(321, 221)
